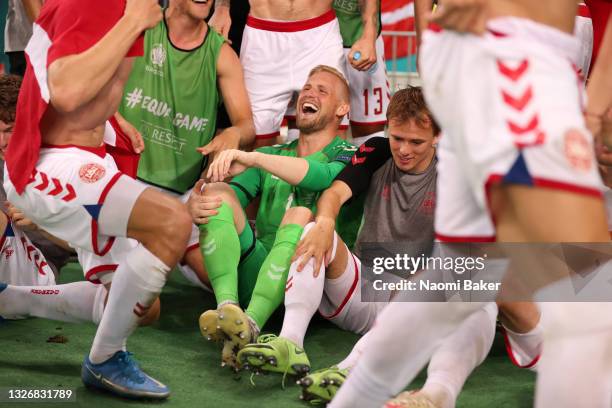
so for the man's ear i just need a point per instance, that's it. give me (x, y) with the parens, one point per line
(343, 109)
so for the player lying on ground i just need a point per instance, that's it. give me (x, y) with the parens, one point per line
(59, 175)
(288, 178)
(525, 157)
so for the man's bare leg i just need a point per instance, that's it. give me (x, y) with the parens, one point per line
(524, 216)
(161, 224)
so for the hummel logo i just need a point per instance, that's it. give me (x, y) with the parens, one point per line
(210, 247)
(275, 272)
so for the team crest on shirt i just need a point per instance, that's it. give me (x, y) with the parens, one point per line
(8, 252)
(578, 151)
(158, 55)
(91, 172)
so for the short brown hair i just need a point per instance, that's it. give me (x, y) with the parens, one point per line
(9, 91)
(409, 104)
(326, 68)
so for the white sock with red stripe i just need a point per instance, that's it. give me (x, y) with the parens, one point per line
(72, 302)
(351, 360)
(525, 348)
(137, 282)
(303, 294)
(458, 355)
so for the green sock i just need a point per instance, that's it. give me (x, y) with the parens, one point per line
(270, 287)
(220, 249)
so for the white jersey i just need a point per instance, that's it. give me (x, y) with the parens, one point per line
(21, 263)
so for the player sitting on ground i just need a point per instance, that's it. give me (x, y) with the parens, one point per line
(288, 178)
(396, 174)
(402, 171)
(172, 98)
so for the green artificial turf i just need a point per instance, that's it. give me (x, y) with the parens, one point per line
(173, 351)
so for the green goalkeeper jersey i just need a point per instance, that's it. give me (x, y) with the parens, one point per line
(348, 13)
(277, 195)
(172, 98)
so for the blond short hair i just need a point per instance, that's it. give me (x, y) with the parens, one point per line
(331, 70)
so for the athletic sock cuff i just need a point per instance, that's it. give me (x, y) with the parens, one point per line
(288, 233)
(147, 268)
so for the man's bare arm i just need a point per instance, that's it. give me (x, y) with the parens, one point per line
(32, 8)
(76, 79)
(422, 11)
(236, 100)
(318, 241)
(464, 16)
(599, 107)
(600, 83)
(366, 44)
(332, 199)
(221, 20)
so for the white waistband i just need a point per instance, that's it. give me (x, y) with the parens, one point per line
(563, 43)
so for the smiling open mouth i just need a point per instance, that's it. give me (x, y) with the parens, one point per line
(309, 108)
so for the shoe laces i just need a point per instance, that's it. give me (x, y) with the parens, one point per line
(267, 338)
(131, 370)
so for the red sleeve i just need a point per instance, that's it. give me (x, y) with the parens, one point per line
(77, 25)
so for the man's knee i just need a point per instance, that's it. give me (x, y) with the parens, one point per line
(177, 226)
(159, 219)
(297, 215)
(228, 196)
(222, 190)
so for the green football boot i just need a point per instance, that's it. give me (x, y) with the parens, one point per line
(321, 386)
(274, 354)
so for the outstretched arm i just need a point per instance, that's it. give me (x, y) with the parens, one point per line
(296, 171)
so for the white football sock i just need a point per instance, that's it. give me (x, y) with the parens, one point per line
(404, 338)
(525, 348)
(137, 282)
(98, 306)
(71, 302)
(351, 360)
(458, 355)
(303, 294)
